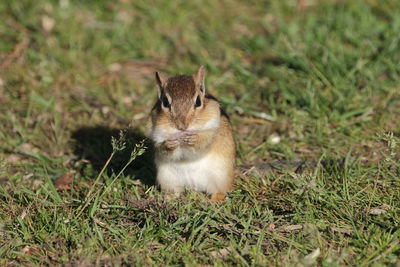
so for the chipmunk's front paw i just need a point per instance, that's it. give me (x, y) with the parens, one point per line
(190, 139)
(171, 144)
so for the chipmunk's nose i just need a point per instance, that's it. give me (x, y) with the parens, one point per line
(181, 125)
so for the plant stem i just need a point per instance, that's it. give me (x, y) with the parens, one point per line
(82, 208)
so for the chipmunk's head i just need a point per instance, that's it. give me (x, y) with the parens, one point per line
(181, 98)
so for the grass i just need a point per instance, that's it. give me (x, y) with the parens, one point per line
(75, 73)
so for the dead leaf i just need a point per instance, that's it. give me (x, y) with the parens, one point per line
(313, 255)
(304, 5)
(64, 182)
(105, 110)
(29, 148)
(340, 230)
(140, 116)
(47, 23)
(136, 67)
(271, 226)
(290, 228)
(36, 183)
(274, 139)
(3, 180)
(379, 210)
(28, 250)
(23, 215)
(28, 176)
(100, 223)
(385, 207)
(14, 158)
(115, 67)
(221, 253)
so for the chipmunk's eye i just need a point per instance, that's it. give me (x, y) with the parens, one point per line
(165, 102)
(198, 102)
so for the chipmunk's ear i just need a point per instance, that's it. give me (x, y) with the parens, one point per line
(161, 82)
(199, 80)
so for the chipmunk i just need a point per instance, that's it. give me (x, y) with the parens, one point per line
(194, 145)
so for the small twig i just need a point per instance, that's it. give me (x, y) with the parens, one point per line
(277, 179)
(257, 114)
(340, 230)
(14, 54)
(390, 248)
(290, 228)
(250, 170)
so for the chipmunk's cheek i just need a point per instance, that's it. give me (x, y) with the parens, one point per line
(157, 135)
(162, 133)
(206, 124)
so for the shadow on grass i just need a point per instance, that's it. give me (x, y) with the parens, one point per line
(94, 144)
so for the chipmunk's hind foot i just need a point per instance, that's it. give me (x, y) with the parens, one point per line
(217, 197)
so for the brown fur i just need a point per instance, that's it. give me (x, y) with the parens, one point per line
(224, 146)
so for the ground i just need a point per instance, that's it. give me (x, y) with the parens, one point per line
(301, 80)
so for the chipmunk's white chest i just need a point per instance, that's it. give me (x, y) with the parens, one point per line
(201, 174)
